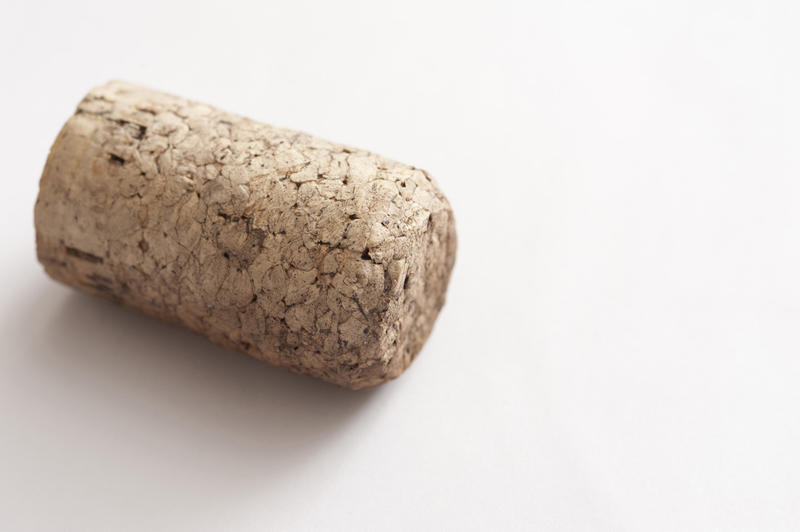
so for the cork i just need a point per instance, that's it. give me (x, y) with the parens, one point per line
(319, 258)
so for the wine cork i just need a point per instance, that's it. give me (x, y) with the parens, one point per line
(322, 259)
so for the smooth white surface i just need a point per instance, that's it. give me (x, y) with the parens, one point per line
(619, 350)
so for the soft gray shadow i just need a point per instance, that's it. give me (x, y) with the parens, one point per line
(149, 404)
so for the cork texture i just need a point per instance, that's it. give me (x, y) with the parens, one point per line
(323, 259)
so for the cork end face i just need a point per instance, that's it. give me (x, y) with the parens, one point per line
(419, 296)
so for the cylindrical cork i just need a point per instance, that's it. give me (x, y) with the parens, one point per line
(322, 259)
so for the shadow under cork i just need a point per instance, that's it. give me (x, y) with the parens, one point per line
(156, 406)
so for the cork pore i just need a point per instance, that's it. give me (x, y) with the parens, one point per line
(322, 259)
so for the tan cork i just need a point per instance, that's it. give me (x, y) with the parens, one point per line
(323, 259)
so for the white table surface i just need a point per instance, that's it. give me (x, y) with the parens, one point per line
(619, 350)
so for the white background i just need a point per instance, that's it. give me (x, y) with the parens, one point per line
(619, 350)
